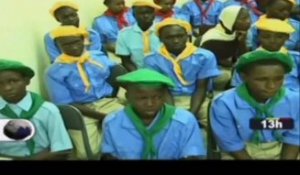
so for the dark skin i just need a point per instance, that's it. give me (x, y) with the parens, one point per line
(231, 49)
(146, 102)
(272, 41)
(263, 82)
(117, 7)
(241, 26)
(74, 46)
(144, 16)
(279, 9)
(166, 5)
(67, 16)
(13, 89)
(174, 38)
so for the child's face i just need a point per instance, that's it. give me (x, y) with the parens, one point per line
(280, 9)
(13, 86)
(67, 16)
(174, 38)
(243, 21)
(116, 6)
(71, 45)
(144, 15)
(146, 101)
(264, 81)
(272, 41)
(166, 5)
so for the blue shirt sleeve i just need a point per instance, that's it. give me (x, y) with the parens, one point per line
(107, 143)
(224, 128)
(192, 143)
(293, 136)
(95, 42)
(121, 47)
(52, 49)
(210, 67)
(57, 89)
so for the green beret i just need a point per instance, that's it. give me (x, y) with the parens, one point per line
(146, 77)
(262, 55)
(16, 66)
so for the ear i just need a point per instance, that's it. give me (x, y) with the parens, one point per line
(27, 80)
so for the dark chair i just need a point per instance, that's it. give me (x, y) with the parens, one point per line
(73, 120)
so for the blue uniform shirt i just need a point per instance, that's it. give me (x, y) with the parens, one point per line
(201, 65)
(230, 116)
(65, 85)
(292, 80)
(50, 132)
(108, 27)
(130, 42)
(53, 50)
(196, 15)
(180, 139)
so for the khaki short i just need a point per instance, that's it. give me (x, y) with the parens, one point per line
(267, 151)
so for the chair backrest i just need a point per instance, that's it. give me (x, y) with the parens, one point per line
(213, 151)
(73, 120)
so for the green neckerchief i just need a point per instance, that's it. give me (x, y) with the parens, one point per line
(262, 110)
(37, 102)
(148, 135)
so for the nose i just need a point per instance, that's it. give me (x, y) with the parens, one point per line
(271, 85)
(149, 102)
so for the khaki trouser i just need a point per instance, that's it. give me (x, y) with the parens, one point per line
(106, 105)
(184, 102)
(267, 151)
(222, 81)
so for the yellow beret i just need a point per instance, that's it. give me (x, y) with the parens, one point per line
(60, 4)
(173, 21)
(274, 25)
(292, 1)
(62, 31)
(148, 3)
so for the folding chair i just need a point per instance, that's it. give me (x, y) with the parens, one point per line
(73, 120)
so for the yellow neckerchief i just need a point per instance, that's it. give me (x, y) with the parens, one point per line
(282, 50)
(189, 50)
(80, 61)
(146, 41)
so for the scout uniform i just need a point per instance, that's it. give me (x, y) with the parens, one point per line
(233, 110)
(92, 41)
(173, 134)
(191, 65)
(50, 132)
(144, 42)
(82, 80)
(292, 80)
